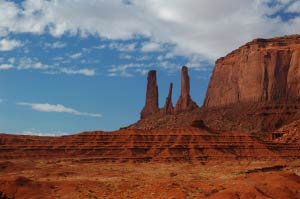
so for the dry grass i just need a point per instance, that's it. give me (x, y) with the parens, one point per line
(66, 179)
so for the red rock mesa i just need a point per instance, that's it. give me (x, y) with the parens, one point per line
(260, 71)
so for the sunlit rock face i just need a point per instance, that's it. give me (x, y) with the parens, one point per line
(260, 71)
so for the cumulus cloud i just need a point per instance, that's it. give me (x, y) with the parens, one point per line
(76, 55)
(127, 70)
(35, 64)
(7, 45)
(56, 108)
(151, 47)
(208, 28)
(294, 7)
(11, 60)
(83, 71)
(55, 45)
(6, 66)
(36, 132)
(31, 63)
(121, 46)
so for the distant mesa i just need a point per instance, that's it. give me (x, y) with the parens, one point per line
(184, 103)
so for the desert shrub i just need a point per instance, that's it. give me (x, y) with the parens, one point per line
(3, 196)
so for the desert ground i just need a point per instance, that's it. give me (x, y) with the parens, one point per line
(72, 178)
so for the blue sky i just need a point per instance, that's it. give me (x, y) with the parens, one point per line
(71, 65)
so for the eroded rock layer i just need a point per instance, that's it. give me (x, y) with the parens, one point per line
(262, 70)
(189, 144)
(288, 133)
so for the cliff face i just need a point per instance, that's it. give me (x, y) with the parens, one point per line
(260, 71)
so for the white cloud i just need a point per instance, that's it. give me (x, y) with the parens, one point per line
(56, 108)
(125, 56)
(151, 47)
(209, 28)
(11, 60)
(100, 47)
(143, 58)
(83, 71)
(142, 71)
(35, 64)
(55, 45)
(36, 132)
(122, 47)
(6, 66)
(127, 70)
(76, 55)
(7, 45)
(58, 58)
(294, 8)
(31, 63)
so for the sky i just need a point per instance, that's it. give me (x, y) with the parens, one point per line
(68, 66)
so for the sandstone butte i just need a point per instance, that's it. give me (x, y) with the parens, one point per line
(260, 71)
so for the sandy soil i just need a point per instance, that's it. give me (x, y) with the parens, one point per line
(63, 178)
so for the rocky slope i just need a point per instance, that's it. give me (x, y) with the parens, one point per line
(288, 133)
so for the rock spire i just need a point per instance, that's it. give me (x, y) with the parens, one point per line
(151, 105)
(185, 102)
(168, 108)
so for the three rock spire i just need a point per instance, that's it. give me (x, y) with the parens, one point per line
(184, 103)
